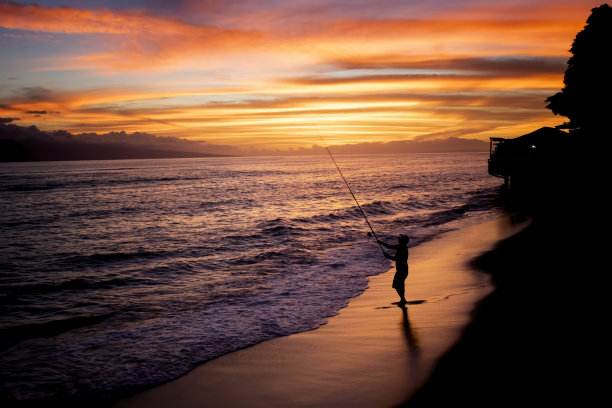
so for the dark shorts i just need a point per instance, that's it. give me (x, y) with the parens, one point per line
(399, 278)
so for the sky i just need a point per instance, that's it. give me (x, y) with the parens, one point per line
(287, 74)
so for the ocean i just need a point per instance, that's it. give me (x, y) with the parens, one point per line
(120, 275)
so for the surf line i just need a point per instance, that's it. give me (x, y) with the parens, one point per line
(352, 194)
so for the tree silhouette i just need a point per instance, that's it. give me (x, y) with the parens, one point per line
(586, 97)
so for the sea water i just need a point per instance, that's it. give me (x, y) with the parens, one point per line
(119, 275)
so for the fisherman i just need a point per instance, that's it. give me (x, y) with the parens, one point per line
(401, 265)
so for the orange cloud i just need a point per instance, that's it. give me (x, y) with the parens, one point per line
(140, 35)
(106, 21)
(486, 71)
(143, 36)
(359, 109)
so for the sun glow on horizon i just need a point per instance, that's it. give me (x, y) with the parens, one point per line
(273, 77)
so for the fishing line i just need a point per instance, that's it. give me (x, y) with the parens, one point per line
(351, 191)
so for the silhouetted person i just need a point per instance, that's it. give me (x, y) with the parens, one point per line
(401, 264)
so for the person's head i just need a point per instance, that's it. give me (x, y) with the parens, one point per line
(403, 239)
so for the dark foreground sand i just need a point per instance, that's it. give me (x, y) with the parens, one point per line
(372, 354)
(540, 338)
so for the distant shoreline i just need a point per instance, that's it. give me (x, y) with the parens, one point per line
(186, 155)
(95, 152)
(30, 144)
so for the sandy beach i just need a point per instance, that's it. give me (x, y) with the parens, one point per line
(372, 354)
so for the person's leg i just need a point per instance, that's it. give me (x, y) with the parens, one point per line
(400, 291)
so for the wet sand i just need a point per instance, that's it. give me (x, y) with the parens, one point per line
(372, 354)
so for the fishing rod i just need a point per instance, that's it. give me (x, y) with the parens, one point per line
(352, 194)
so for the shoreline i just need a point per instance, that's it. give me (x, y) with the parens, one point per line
(371, 354)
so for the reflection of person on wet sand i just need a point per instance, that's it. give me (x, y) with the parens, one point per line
(401, 264)
(411, 338)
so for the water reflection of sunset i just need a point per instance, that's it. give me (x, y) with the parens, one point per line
(262, 75)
